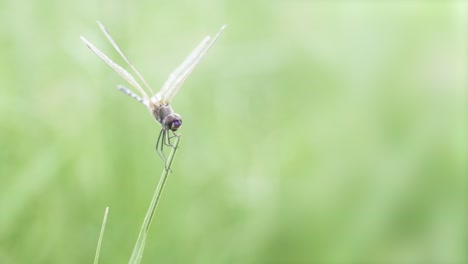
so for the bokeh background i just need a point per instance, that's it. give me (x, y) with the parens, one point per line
(314, 132)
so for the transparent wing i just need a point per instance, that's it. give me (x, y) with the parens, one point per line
(121, 71)
(117, 48)
(177, 72)
(180, 74)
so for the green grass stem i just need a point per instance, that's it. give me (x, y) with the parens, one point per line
(101, 235)
(140, 243)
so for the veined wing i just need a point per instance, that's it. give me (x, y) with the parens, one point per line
(180, 74)
(117, 48)
(177, 72)
(121, 71)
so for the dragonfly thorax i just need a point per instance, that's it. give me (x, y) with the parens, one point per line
(166, 117)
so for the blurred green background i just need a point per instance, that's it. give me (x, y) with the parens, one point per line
(314, 132)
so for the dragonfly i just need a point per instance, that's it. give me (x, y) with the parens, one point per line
(158, 103)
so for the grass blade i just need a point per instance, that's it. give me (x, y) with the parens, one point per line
(140, 243)
(101, 235)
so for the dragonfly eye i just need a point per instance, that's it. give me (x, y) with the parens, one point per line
(174, 121)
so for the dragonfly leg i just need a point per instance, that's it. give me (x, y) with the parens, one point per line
(167, 140)
(164, 140)
(174, 135)
(163, 134)
(160, 144)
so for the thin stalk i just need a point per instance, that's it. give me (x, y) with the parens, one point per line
(140, 243)
(101, 235)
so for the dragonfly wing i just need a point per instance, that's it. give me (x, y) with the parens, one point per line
(121, 71)
(117, 48)
(177, 78)
(177, 72)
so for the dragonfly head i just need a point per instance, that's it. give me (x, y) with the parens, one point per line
(173, 121)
